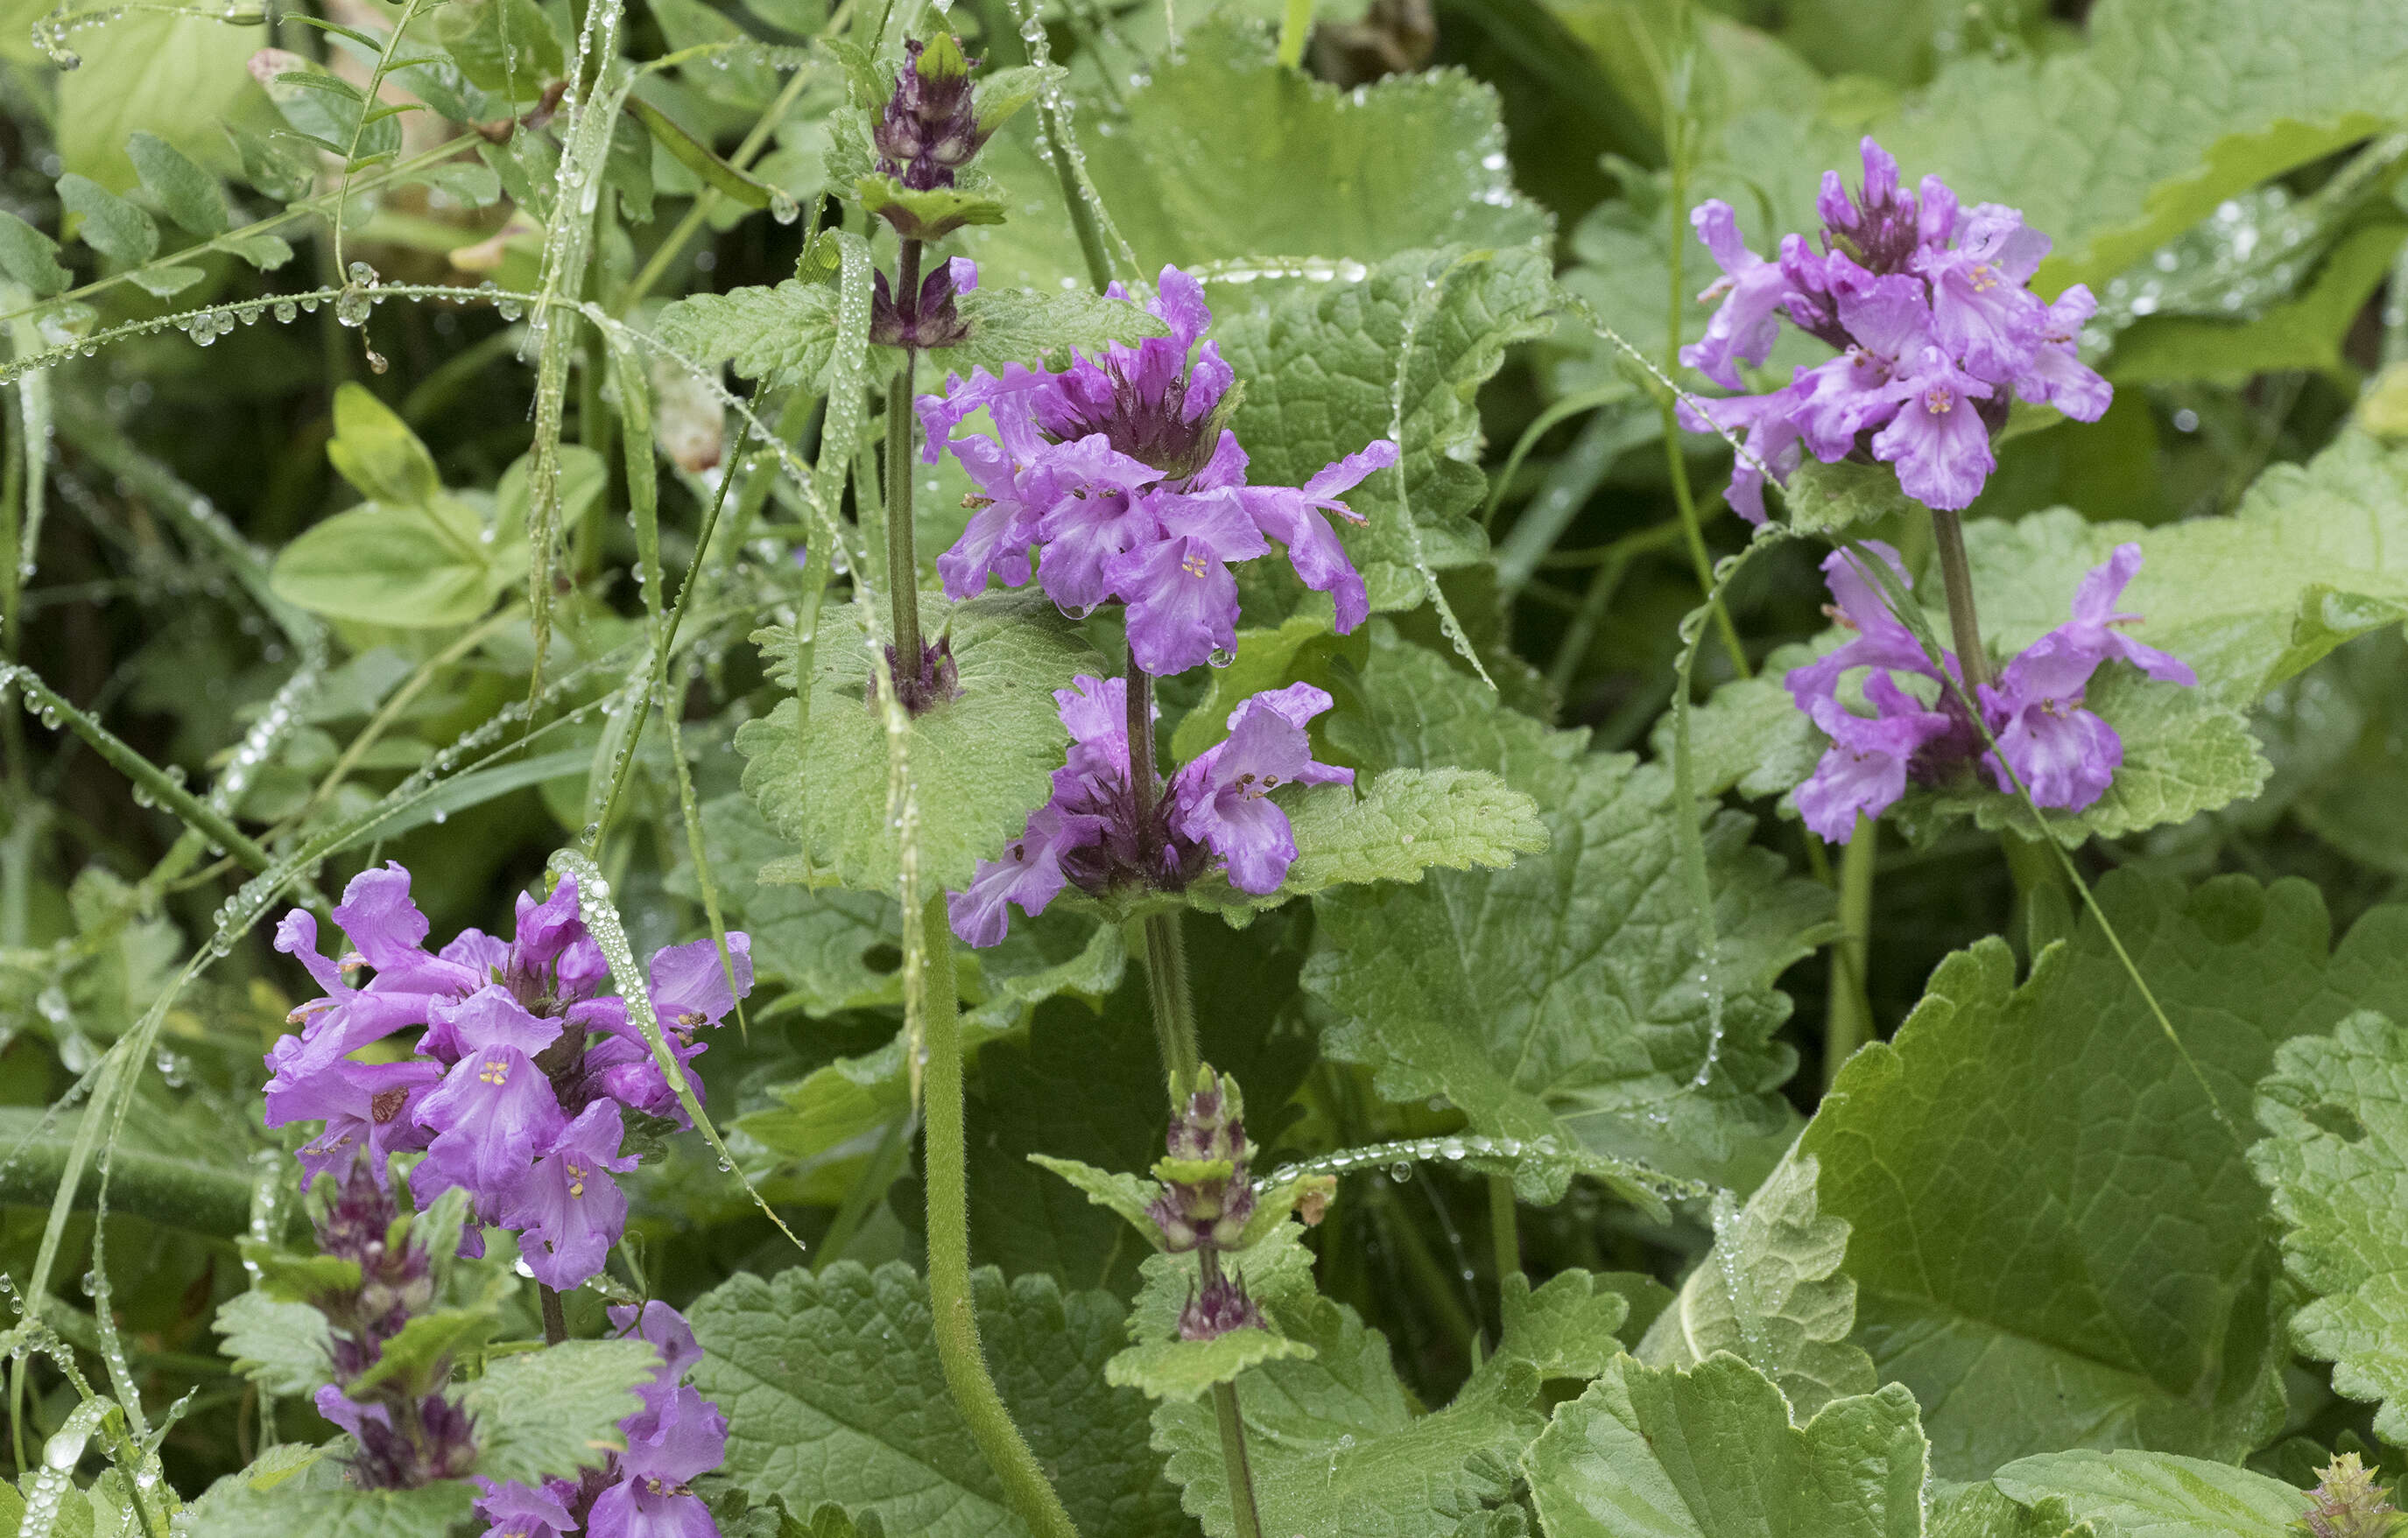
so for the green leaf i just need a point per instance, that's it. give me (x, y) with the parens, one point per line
(414, 1360)
(1401, 824)
(285, 1348)
(111, 226)
(1326, 368)
(375, 451)
(979, 761)
(1772, 1293)
(1226, 155)
(1750, 733)
(1978, 1511)
(1300, 648)
(189, 193)
(312, 1501)
(929, 213)
(2337, 1107)
(2183, 753)
(2055, 1238)
(165, 282)
(31, 257)
(1556, 1000)
(1115, 1190)
(2175, 106)
(1334, 1444)
(781, 337)
(1023, 326)
(699, 157)
(261, 248)
(1834, 498)
(2155, 1495)
(1277, 1270)
(833, 1393)
(541, 1414)
(1565, 1329)
(402, 567)
(502, 45)
(1002, 92)
(2303, 332)
(1710, 1453)
(2309, 559)
(180, 76)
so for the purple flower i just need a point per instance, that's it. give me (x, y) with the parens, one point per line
(517, 1510)
(1752, 290)
(930, 128)
(1222, 801)
(565, 1206)
(1097, 833)
(1937, 440)
(1117, 474)
(2063, 754)
(369, 1108)
(675, 1438)
(1981, 312)
(1936, 330)
(494, 1109)
(1864, 769)
(518, 1080)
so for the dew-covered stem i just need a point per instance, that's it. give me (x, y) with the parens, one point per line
(1956, 577)
(1848, 1022)
(949, 1252)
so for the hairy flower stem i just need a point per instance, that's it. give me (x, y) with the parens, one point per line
(1848, 1021)
(555, 1318)
(1240, 1474)
(902, 560)
(972, 1386)
(1676, 121)
(1956, 576)
(1166, 947)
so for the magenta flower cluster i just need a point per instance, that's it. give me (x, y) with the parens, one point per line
(516, 1084)
(1099, 833)
(1116, 476)
(643, 1491)
(1936, 330)
(2063, 754)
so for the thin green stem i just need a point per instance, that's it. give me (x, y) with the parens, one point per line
(949, 1252)
(1082, 217)
(1848, 1021)
(1166, 985)
(660, 667)
(1956, 577)
(1233, 1460)
(707, 202)
(1677, 152)
(1504, 1232)
(1614, 561)
(902, 559)
(555, 1318)
(1294, 27)
(885, 1163)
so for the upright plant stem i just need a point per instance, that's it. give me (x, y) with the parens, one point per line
(1233, 1461)
(949, 1253)
(1504, 1232)
(1675, 464)
(1174, 1031)
(902, 560)
(1956, 577)
(555, 1318)
(1848, 1021)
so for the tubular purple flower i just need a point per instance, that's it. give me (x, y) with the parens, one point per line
(1752, 290)
(1118, 476)
(1223, 802)
(370, 1110)
(1929, 307)
(1937, 440)
(1864, 771)
(517, 1510)
(565, 1206)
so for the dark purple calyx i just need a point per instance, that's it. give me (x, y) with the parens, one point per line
(929, 129)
